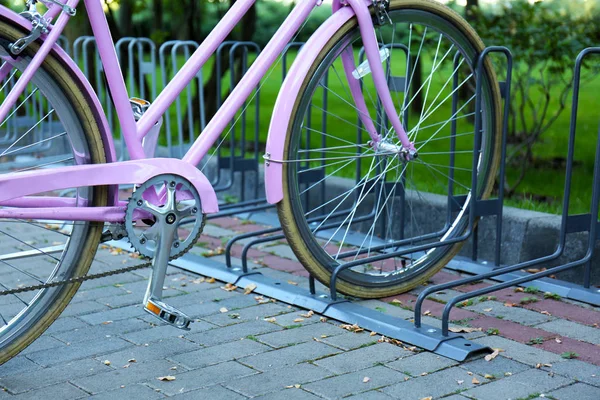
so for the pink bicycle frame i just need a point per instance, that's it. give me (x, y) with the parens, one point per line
(15, 188)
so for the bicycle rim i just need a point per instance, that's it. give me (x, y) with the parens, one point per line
(347, 201)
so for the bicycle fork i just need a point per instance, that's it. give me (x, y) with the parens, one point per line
(372, 52)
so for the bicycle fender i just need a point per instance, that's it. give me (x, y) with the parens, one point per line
(83, 84)
(287, 98)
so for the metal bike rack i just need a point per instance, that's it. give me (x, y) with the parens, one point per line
(174, 49)
(569, 224)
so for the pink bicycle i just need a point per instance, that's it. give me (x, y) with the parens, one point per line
(358, 179)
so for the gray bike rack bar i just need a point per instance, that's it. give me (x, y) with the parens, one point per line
(428, 337)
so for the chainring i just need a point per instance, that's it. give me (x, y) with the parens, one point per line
(142, 233)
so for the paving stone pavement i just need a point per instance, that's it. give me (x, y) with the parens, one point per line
(246, 346)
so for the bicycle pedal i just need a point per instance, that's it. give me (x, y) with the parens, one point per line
(168, 314)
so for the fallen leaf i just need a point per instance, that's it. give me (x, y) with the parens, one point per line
(272, 319)
(475, 381)
(299, 320)
(352, 328)
(519, 289)
(211, 280)
(427, 312)
(406, 378)
(293, 283)
(126, 365)
(507, 304)
(131, 360)
(198, 280)
(106, 362)
(557, 340)
(323, 336)
(469, 373)
(372, 333)
(488, 376)
(107, 322)
(487, 309)
(427, 398)
(323, 319)
(223, 309)
(535, 270)
(460, 382)
(308, 314)
(167, 378)
(464, 329)
(173, 368)
(229, 287)
(250, 288)
(490, 357)
(216, 252)
(297, 386)
(545, 313)
(424, 373)
(366, 379)
(396, 301)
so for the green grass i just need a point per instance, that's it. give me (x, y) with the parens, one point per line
(569, 355)
(553, 296)
(492, 331)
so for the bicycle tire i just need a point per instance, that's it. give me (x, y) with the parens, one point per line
(58, 79)
(302, 240)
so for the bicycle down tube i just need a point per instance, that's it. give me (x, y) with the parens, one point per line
(134, 133)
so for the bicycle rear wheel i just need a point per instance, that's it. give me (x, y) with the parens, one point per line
(50, 125)
(345, 201)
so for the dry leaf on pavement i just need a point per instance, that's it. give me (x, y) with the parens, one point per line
(223, 309)
(229, 287)
(490, 357)
(475, 381)
(250, 288)
(167, 378)
(366, 379)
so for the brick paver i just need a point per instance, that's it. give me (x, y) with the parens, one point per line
(106, 347)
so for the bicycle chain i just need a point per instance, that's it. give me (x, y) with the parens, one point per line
(100, 274)
(75, 280)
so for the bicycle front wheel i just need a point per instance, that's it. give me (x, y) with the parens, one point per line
(348, 202)
(51, 125)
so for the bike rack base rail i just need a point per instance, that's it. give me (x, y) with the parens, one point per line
(430, 338)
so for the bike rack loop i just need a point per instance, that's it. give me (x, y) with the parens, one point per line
(569, 224)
